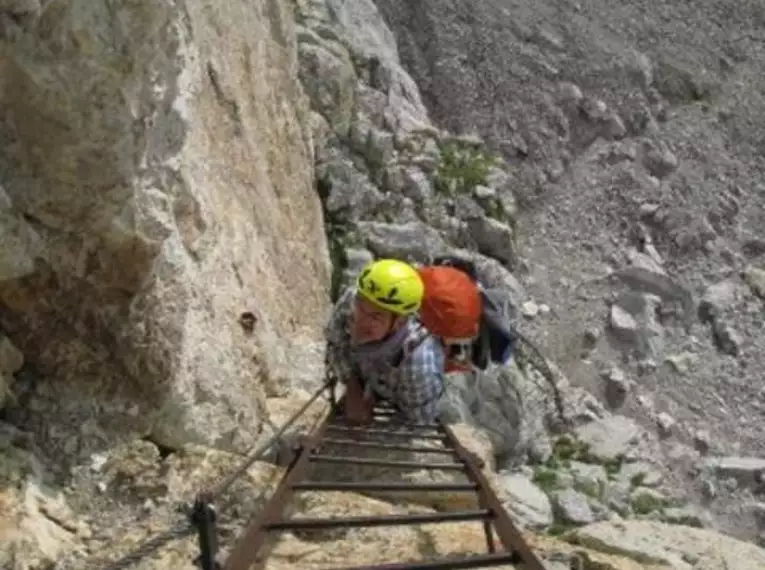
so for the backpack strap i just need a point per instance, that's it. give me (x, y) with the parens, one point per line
(465, 265)
(415, 339)
(496, 339)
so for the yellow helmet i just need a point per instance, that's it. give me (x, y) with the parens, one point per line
(392, 285)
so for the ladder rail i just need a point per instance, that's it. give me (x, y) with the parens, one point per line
(509, 535)
(246, 550)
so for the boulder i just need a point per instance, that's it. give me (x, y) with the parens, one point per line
(511, 406)
(749, 469)
(415, 241)
(526, 503)
(610, 438)
(572, 507)
(678, 547)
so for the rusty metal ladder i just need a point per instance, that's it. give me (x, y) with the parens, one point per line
(515, 549)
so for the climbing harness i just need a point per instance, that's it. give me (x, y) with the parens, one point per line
(201, 516)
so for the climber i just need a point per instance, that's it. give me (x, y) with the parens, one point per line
(380, 351)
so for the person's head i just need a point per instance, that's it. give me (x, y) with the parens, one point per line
(388, 292)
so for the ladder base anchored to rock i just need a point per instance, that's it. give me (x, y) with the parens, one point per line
(514, 549)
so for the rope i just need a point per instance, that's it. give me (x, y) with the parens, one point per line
(188, 527)
(261, 451)
(152, 545)
(535, 357)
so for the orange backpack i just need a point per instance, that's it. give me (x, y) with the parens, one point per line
(451, 307)
(477, 321)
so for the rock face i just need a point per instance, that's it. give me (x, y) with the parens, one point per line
(155, 188)
(637, 175)
(394, 184)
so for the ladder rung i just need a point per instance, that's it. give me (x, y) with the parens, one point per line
(396, 432)
(451, 563)
(356, 486)
(378, 423)
(383, 463)
(392, 446)
(340, 418)
(371, 521)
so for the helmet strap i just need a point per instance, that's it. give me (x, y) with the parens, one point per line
(392, 328)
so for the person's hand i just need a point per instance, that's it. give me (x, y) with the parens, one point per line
(358, 408)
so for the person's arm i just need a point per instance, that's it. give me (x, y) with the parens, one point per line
(358, 408)
(421, 383)
(338, 338)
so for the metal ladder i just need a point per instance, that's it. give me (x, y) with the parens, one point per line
(514, 549)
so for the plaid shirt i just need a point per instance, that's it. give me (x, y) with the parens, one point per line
(414, 387)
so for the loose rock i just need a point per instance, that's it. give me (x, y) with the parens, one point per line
(755, 278)
(609, 438)
(617, 386)
(746, 469)
(666, 423)
(624, 326)
(572, 507)
(530, 309)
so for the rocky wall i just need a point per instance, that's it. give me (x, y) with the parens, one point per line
(157, 183)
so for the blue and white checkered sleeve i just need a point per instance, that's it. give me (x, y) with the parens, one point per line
(338, 338)
(421, 383)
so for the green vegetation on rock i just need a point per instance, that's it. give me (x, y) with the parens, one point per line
(593, 489)
(637, 479)
(558, 528)
(461, 168)
(375, 157)
(567, 449)
(644, 501)
(613, 466)
(496, 209)
(546, 478)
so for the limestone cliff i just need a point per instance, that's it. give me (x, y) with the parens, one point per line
(157, 182)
